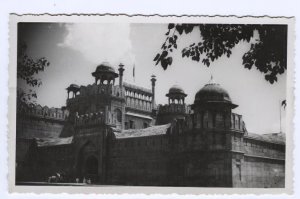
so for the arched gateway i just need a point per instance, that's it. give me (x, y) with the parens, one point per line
(88, 163)
(91, 168)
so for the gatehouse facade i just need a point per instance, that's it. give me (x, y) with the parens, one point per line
(117, 135)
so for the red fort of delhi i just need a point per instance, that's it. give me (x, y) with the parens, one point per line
(117, 135)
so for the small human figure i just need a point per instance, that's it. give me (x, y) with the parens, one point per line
(84, 180)
(77, 180)
(89, 181)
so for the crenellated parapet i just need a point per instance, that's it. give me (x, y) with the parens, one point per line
(169, 112)
(97, 118)
(105, 89)
(45, 112)
(219, 120)
(100, 89)
(173, 108)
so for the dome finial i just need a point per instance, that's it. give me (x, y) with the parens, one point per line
(211, 81)
(213, 93)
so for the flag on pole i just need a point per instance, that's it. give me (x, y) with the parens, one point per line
(133, 72)
(283, 103)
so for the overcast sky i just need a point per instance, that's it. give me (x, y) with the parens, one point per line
(74, 51)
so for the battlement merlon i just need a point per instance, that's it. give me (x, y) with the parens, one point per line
(97, 118)
(103, 117)
(38, 111)
(173, 108)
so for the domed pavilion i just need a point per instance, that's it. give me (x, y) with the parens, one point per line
(213, 94)
(105, 73)
(176, 95)
(213, 107)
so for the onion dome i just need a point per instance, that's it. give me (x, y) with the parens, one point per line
(176, 91)
(73, 88)
(105, 69)
(213, 93)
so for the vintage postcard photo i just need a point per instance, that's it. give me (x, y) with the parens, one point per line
(119, 104)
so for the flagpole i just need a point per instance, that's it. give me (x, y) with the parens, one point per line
(133, 73)
(280, 116)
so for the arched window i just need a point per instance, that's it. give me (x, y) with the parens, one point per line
(205, 119)
(118, 114)
(219, 120)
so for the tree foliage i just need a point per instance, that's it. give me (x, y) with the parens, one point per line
(268, 53)
(27, 69)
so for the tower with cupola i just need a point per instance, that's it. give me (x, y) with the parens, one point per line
(212, 107)
(95, 111)
(101, 97)
(176, 108)
(223, 132)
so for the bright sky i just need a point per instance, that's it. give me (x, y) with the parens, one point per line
(74, 51)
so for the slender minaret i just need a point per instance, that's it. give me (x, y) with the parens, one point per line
(121, 70)
(153, 80)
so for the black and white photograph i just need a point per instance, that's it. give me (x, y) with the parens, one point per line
(161, 104)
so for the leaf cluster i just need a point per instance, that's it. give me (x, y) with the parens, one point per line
(25, 100)
(27, 68)
(268, 53)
